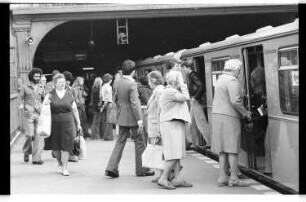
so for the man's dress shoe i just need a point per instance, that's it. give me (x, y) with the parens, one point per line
(147, 173)
(37, 162)
(26, 158)
(111, 174)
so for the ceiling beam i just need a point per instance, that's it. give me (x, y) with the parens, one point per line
(68, 13)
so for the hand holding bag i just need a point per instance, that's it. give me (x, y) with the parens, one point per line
(44, 121)
(77, 144)
(152, 156)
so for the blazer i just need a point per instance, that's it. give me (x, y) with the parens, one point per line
(173, 104)
(128, 104)
(228, 97)
(153, 111)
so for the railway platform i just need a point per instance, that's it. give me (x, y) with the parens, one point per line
(87, 176)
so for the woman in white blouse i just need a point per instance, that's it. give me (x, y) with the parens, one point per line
(106, 129)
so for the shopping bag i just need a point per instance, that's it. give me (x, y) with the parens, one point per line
(152, 157)
(83, 151)
(44, 121)
(111, 113)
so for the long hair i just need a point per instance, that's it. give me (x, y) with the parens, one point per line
(97, 83)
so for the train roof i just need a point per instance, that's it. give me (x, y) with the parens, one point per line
(159, 59)
(260, 34)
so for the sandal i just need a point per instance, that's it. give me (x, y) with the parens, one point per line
(165, 184)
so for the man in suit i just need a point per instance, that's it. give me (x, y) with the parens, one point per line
(129, 120)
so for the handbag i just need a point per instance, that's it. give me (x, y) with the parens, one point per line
(83, 151)
(152, 157)
(111, 113)
(44, 121)
(77, 144)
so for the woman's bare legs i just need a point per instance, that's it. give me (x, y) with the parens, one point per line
(222, 180)
(65, 157)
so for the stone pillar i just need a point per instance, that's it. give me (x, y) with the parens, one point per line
(23, 50)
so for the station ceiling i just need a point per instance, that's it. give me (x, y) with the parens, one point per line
(147, 37)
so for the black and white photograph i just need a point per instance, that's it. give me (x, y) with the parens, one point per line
(154, 98)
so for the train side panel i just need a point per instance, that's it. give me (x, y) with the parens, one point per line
(283, 129)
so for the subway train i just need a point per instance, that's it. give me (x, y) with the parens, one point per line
(272, 146)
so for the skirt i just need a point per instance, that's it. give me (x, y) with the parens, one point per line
(173, 139)
(63, 131)
(226, 134)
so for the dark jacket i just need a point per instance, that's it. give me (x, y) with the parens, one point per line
(196, 87)
(144, 94)
(95, 98)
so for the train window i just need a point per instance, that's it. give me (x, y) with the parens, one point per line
(289, 80)
(217, 66)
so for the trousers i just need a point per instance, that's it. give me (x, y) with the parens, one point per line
(106, 129)
(124, 133)
(96, 125)
(34, 143)
(199, 125)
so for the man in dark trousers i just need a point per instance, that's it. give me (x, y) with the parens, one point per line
(129, 120)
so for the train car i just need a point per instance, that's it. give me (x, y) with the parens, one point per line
(274, 151)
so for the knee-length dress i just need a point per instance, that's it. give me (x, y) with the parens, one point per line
(63, 128)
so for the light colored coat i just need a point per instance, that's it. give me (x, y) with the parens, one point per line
(128, 104)
(173, 104)
(228, 97)
(153, 111)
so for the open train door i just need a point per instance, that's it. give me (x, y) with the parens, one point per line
(253, 141)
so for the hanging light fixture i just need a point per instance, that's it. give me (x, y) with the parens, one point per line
(91, 42)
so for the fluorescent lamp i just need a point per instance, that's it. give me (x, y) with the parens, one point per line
(88, 68)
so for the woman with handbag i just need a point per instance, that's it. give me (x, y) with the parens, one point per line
(174, 114)
(64, 112)
(106, 128)
(155, 80)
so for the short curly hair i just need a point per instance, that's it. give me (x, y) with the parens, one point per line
(33, 72)
(156, 78)
(58, 76)
(232, 65)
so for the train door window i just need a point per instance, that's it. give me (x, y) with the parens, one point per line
(289, 80)
(217, 66)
